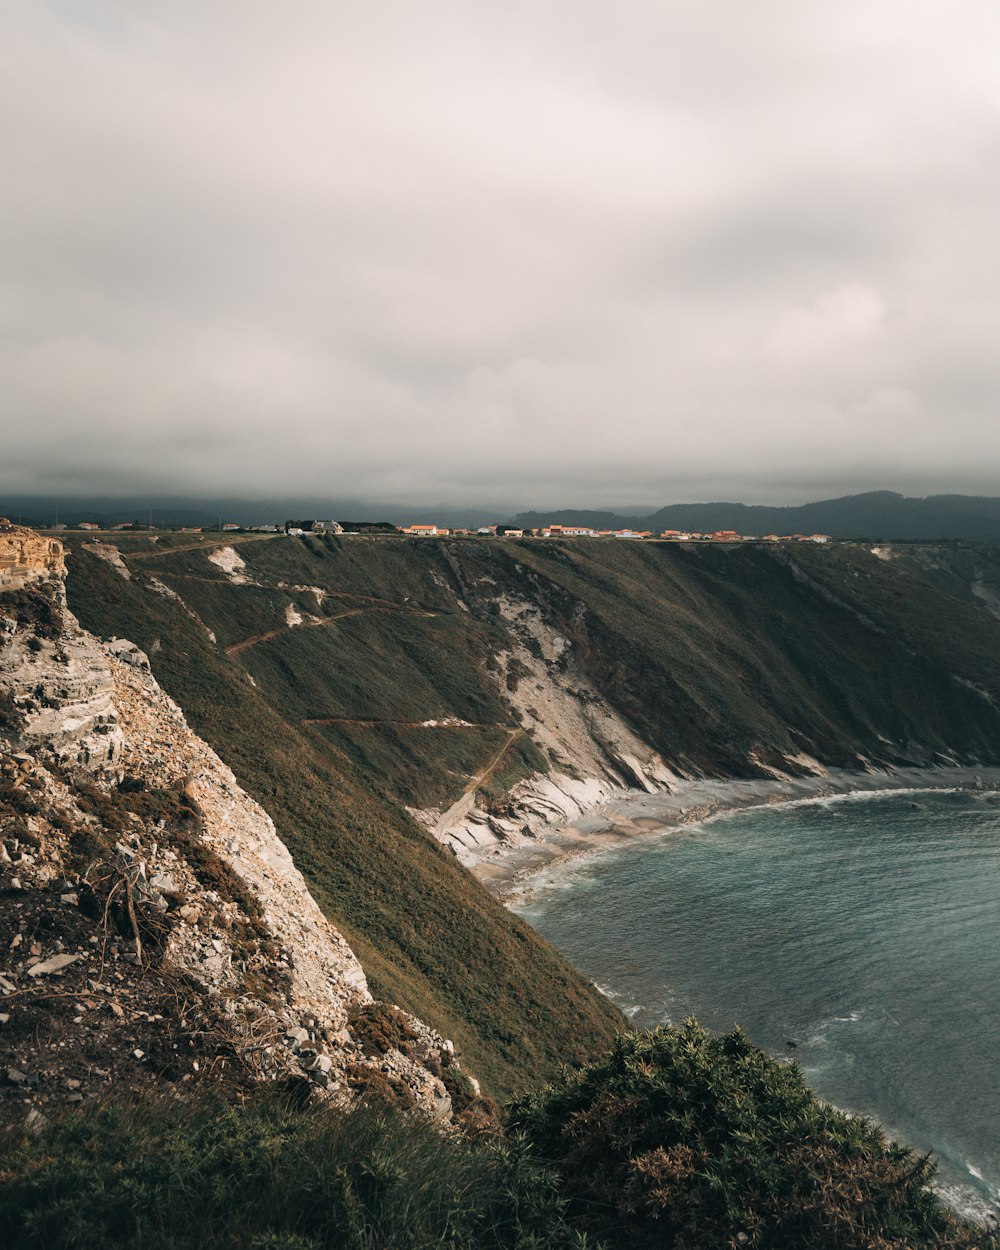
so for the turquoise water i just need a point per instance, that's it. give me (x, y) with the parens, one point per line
(864, 929)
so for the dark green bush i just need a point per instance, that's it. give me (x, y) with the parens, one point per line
(679, 1140)
(11, 716)
(686, 1139)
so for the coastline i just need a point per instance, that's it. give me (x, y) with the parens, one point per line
(636, 819)
(514, 872)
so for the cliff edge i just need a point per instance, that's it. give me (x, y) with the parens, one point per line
(159, 931)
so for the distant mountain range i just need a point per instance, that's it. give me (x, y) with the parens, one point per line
(883, 515)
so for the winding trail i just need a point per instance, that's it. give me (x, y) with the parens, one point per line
(237, 648)
(464, 805)
(400, 724)
(211, 545)
(372, 602)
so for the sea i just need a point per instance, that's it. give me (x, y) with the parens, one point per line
(858, 935)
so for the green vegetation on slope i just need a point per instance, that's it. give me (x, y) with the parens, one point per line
(723, 655)
(428, 935)
(686, 1139)
(270, 1176)
(424, 768)
(679, 1139)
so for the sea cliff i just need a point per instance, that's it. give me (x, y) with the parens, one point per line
(159, 930)
(399, 707)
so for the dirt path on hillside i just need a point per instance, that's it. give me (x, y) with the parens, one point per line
(213, 545)
(237, 648)
(369, 602)
(376, 602)
(400, 724)
(372, 602)
(464, 805)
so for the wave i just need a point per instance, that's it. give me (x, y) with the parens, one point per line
(628, 1010)
(761, 807)
(973, 1201)
(858, 796)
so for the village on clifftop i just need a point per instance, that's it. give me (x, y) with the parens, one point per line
(296, 529)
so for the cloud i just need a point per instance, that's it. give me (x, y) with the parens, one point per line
(838, 320)
(542, 251)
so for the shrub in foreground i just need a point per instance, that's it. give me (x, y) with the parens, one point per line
(680, 1140)
(269, 1176)
(690, 1140)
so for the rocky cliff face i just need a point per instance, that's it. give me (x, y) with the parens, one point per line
(155, 927)
(26, 557)
(593, 753)
(633, 666)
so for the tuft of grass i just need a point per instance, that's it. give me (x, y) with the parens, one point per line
(12, 719)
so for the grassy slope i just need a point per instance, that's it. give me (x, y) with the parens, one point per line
(710, 652)
(713, 652)
(429, 937)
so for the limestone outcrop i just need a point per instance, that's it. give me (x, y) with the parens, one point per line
(56, 681)
(595, 753)
(27, 557)
(138, 875)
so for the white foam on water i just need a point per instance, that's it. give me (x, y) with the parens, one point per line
(628, 1010)
(857, 796)
(827, 801)
(965, 1201)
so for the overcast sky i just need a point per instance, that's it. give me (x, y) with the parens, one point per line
(537, 252)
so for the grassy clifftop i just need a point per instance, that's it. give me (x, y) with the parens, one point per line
(343, 679)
